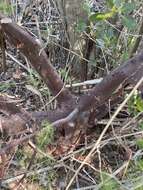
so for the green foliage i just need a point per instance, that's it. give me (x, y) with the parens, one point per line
(45, 160)
(135, 169)
(81, 26)
(5, 7)
(139, 104)
(135, 104)
(86, 7)
(121, 8)
(128, 8)
(141, 125)
(125, 14)
(103, 28)
(108, 183)
(134, 174)
(47, 178)
(6, 86)
(129, 22)
(102, 16)
(110, 3)
(140, 164)
(23, 156)
(35, 81)
(139, 143)
(45, 136)
(33, 78)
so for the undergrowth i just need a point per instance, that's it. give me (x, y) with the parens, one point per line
(117, 164)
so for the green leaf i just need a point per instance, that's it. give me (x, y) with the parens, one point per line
(139, 104)
(96, 17)
(140, 164)
(102, 16)
(5, 7)
(108, 182)
(45, 136)
(109, 34)
(125, 56)
(141, 125)
(139, 143)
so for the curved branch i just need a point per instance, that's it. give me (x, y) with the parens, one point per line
(129, 72)
(32, 49)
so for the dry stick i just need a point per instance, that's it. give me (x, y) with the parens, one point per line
(99, 171)
(97, 144)
(16, 61)
(131, 121)
(102, 143)
(17, 142)
(120, 31)
(87, 82)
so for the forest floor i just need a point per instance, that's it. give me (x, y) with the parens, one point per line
(117, 163)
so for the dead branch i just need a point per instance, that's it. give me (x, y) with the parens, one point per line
(32, 49)
(129, 72)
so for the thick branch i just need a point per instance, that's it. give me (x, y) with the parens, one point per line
(17, 122)
(32, 49)
(129, 72)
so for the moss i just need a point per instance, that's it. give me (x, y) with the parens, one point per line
(45, 136)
